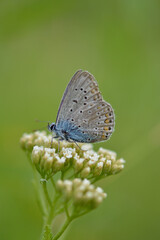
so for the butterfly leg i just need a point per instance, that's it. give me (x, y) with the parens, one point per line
(51, 141)
(59, 140)
(77, 145)
(58, 145)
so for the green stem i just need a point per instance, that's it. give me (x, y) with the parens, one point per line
(46, 193)
(40, 200)
(66, 210)
(53, 184)
(68, 221)
(52, 210)
(81, 214)
(62, 175)
(98, 178)
(60, 210)
(47, 233)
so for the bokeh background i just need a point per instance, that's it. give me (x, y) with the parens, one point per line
(42, 44)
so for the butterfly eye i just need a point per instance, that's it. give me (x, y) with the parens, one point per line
(51, 126)
(80, 111)
(110, 120)
(85, 97)
(75, 101)
(85, 103)
(72, 120)
(81, 89)
(85, 91)
(110, 128)
(110, 114)
(76, 89)
(71, 110)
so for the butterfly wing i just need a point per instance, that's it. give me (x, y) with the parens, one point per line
(83, 107)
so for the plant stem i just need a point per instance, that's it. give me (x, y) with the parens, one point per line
(66, 210)
(46, 193)
(68, 221)
(40, 200)
(47, 234)
(52, 210)
(53, 184)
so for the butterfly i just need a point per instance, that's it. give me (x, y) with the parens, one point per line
(83, 115)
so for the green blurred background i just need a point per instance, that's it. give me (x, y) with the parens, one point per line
(42, 44)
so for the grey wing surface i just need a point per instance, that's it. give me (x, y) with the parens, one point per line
(82, 104)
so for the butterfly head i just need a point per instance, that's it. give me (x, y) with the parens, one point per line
(51, 127)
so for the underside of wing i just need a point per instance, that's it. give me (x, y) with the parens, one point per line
(82, 105)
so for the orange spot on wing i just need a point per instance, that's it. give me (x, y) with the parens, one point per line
(103, 136)
(93, 91)
(106, 128)
(106, 121)
(95, 98)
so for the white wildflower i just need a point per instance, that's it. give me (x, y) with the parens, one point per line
(83, 194)
(36, 154)
(98, 169)
(88, 154)
(48, 163)
(117, 168)
(78, 163)
(85, 172)
(68, 152)
(86, 147)
(85, 164)
(50, 150)
(59, 163)
(120, 161)
(100, 190)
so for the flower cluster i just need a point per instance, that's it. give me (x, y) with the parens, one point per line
(28, 141)
(81, 192)
(78, 167)
(85, 163)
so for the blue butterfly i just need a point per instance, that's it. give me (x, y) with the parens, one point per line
(83, 115)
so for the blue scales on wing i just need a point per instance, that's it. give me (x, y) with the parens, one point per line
(83, 115)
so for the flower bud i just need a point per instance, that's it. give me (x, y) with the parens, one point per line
(82, 192)
(117, 168)
(85, 172)
(98, 169)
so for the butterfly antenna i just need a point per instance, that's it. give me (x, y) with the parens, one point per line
(34, 130)
(37, 120)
